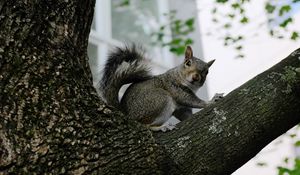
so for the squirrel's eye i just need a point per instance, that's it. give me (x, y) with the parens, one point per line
(188, 63)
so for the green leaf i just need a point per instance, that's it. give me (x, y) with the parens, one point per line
(181, 50)
(297, 143)
(282, 171)
(160, 36)
(286, 160)
(221, 1)
(284, 9)
(270, 8)
(227, 26)
(188, 41)
(162, 28)
(173, 49)
(178, 50)
(242, 10)
(227, 38)
(294, 1)
(176, 41)
(235, 5)
(239, 47)
(297, 163)
(190, 22)
(240, 37)
(244, 20)
(177, 22)
(177, 26)
(286, 22)
(295, 36)
(243, 1)
(231, 15)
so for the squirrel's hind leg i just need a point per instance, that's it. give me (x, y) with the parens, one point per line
(183, 113)
(152, 107)
(160, 109)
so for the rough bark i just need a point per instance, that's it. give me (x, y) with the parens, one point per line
(51, 120)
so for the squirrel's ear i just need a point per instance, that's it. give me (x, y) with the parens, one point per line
(188, 52)
(210, 63)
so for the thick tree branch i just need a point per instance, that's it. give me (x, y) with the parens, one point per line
(224, 136)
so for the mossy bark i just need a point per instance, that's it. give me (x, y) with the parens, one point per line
(52, 121)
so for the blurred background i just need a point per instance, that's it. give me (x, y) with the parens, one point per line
(246, 37)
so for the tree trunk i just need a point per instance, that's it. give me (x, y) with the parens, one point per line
(52, 121)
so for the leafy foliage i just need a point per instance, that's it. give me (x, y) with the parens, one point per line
(290, 171)
(294, 35)
(180, 29)
(279, 19)
(221, 1)
(175, 33)
(269, 7)
(286, 168)
(226, 22)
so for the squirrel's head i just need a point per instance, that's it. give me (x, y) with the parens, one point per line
(194, 69)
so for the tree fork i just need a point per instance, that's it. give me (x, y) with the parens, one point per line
(51, 120)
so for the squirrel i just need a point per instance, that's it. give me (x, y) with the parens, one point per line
(150, 99)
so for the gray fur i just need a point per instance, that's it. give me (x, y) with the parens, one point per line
(154, 95)
(153, 99)
(183, 113)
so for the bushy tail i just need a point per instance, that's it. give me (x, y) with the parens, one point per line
(124, 65)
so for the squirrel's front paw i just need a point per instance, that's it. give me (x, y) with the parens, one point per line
(217, 97)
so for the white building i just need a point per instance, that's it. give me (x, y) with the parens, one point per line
(113, 25)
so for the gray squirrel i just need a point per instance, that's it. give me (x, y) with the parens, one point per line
(152, 100)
